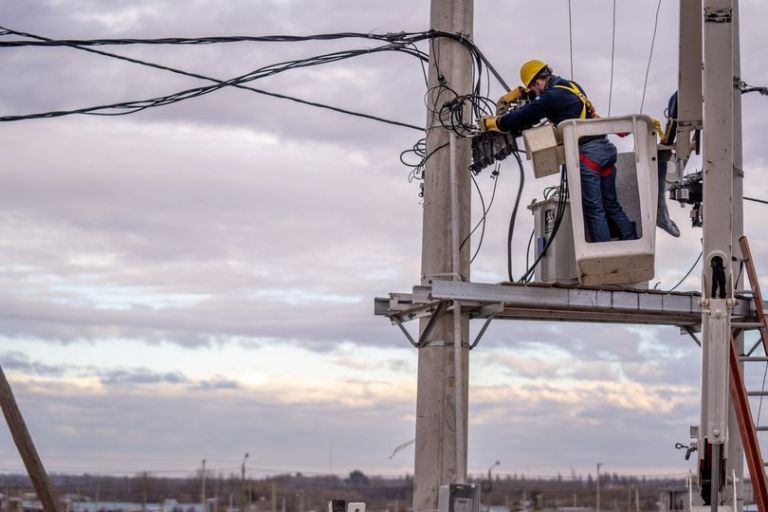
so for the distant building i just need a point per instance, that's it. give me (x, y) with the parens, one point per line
(28, 502)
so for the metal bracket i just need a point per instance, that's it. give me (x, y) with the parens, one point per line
(690, 333)
(718, 15)
(489, 312)
(421, 343)
(754, 347)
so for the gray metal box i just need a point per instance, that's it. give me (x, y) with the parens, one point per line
(459, 498)
(559, 263)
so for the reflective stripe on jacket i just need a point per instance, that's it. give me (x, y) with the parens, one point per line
(558, 102)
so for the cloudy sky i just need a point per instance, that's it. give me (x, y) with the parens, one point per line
(197, 280)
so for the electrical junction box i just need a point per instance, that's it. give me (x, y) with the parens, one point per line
(558, 265)
(343, 506)
(543, 149)
(458, 498)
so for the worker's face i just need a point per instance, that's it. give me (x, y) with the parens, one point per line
(538, 86)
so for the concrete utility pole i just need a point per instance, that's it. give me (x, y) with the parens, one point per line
(26, 447)
(718, 286)
(441, 411)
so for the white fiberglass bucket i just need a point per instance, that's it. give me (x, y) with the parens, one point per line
(615, 261)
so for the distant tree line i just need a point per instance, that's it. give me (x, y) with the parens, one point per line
(297, 492)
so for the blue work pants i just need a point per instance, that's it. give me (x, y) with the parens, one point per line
(598, 193)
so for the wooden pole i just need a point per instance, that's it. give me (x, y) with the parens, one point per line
(26, 447)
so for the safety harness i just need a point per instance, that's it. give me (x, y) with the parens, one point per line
(587, 110)
(602, 171)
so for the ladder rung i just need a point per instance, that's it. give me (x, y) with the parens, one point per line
(754, 359)
(747, 325)
(757, 393)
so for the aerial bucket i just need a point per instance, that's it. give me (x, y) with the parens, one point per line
(616, 261)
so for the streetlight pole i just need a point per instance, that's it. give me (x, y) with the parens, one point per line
(202, 488)
(242, 483)
(599, 464)
(493, 466)
(490, 482)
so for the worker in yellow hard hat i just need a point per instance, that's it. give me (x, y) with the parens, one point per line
(557, 99)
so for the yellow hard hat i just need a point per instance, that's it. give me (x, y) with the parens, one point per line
(529, 70)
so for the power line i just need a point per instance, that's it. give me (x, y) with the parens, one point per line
(404, 42)
(570, 35)
(138, 105)
(188, 41)
(754, 199)
(687, 273)
(402, 38)
(650, 55)
(613, 53)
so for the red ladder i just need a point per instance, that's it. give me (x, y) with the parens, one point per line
(740, 395)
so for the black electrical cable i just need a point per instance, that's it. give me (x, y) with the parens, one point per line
(745, 88)
(400, 37)
(204, 40)
(270, 70)
(528, 247)
(482, 221)
(420, 150)
(562, 199)
(402, 42)
(234, 83)
(756, 200)
(513, 217)
(687, 273)
(650, 55)
(741, 269)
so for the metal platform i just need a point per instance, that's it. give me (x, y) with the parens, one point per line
(553, 302)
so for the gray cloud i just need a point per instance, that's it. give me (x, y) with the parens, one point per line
(19, 362)
(217, 383)
(140, 376)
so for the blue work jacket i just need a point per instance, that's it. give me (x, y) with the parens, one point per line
(554, 103)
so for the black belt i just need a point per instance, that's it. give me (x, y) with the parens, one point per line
(584, 140)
